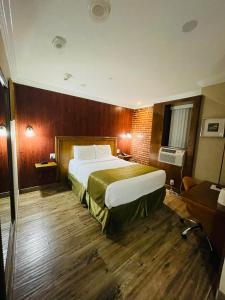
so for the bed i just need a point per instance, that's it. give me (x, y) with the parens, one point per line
(115, 191)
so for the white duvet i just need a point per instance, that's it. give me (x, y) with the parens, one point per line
(119, 192)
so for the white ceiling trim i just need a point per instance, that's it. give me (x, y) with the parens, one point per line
(175, 97)
(71, 92)
(211, 81)
(48, 87)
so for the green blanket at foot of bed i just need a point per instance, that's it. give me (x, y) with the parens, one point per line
(113, 220)
(99, 181)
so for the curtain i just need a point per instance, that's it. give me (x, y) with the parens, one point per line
(180, 125)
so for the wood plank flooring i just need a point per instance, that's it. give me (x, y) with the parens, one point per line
(62, 254)
(5, 217)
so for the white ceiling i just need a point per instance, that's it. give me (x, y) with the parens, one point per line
(141, 46)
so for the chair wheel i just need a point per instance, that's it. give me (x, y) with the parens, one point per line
(184, 236)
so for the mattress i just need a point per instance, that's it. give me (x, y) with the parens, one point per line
(119, 192)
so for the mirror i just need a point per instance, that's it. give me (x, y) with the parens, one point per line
(5, 214)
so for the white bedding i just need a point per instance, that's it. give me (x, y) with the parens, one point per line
(119, 192)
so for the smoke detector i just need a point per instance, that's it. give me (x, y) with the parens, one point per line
(67, 76)
(189, 26)
(59, 42)
(99, 10)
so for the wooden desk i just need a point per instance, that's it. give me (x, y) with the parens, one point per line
(202, 204)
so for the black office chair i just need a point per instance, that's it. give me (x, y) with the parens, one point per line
(188, 183)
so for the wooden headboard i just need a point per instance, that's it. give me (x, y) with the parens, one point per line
(64, 149)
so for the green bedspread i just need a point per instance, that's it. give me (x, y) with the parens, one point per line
(98, 181)
(113, 220)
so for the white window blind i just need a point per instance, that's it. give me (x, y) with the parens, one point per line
(180, 125)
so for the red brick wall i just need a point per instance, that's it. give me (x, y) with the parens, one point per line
(141, 133)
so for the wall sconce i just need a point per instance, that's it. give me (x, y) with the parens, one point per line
(29, 131)
(126, 135)
(3, 131)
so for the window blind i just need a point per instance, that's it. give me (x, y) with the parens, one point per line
(180, 125)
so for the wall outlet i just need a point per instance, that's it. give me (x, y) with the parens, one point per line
(52, 155)
(172, 182)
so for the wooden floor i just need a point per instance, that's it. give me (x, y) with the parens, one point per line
(62, 254)
(5, 217)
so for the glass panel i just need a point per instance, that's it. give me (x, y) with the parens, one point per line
(5, 215)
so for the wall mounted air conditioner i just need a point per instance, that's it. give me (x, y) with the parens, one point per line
(171, 156)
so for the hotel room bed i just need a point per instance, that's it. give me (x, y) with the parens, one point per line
(115, 191)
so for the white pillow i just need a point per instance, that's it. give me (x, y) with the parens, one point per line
(102, 151)
(84, 152)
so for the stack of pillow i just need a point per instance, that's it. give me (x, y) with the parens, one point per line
(92, 152)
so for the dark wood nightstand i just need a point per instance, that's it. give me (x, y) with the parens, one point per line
(47, 173)
(125, 157)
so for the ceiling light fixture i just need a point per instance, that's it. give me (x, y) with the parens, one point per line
(59, 42)
(99, 10)
(189, 26)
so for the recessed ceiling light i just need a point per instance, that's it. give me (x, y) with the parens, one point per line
(67, 76)
(99, 9)
(189, 26)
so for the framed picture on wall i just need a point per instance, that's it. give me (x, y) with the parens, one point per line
(213, 128)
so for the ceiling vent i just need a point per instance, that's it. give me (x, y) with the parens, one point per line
(99, 10)
(58, 42)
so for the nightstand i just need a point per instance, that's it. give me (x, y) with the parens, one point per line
(47, 173)
(50, 164)
(125, 157)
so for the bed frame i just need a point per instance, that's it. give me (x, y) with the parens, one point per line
(64, 149)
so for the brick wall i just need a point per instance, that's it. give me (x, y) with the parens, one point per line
(141, 133)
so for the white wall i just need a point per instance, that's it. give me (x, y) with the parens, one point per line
(209, 150)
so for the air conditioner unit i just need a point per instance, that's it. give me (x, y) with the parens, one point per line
(171, 156)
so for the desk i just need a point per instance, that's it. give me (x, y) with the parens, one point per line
(202, 204)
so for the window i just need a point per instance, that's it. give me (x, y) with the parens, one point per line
(180, 125)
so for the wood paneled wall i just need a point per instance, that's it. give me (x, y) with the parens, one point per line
(174, 172)
(4, 179)
(51, 114)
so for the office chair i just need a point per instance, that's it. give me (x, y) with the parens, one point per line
(188, 183)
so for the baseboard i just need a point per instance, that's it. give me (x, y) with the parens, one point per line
(221, 296)
(39, 187)
(32, 189)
